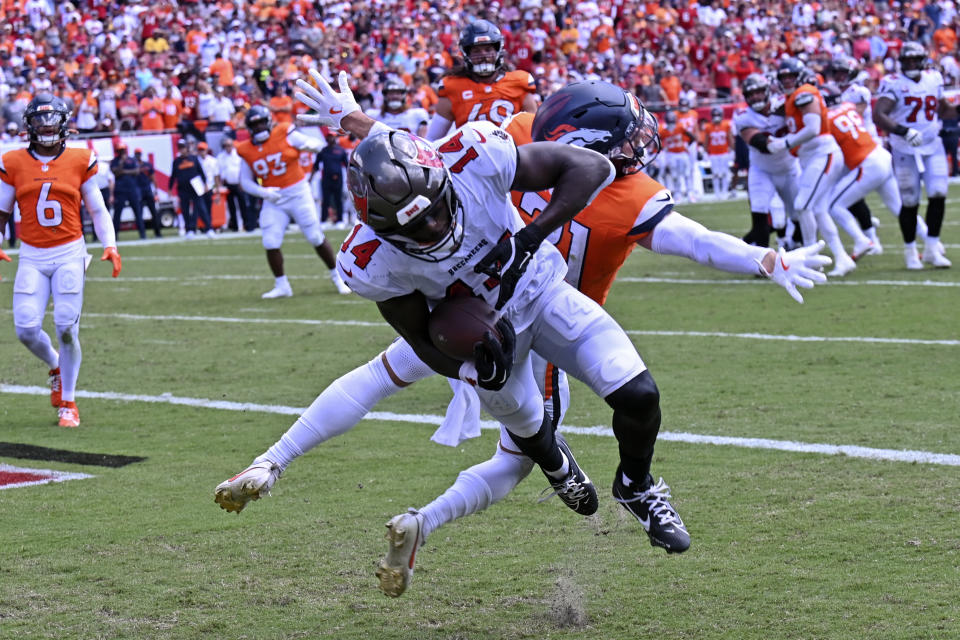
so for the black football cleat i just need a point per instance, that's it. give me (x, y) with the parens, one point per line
(576, 490)
(650, 505)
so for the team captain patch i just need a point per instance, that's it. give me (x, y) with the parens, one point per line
(13, 477)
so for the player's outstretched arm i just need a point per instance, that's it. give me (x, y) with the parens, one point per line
(102, 223)
(678, 235)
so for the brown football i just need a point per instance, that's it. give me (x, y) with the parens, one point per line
(457, 324)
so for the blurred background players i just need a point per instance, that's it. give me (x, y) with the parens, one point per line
(821, 162)
(481, 88)
(272, 157)
(909, 106)
(718, 141)
(48, 181)
(676, 140)
(395, 111)
(689, 119)
(772, 175)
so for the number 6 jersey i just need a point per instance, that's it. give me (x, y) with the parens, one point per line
(916, 106)
(48, 194)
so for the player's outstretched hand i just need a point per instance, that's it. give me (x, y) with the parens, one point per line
(110, 253)
(800, 268)
(330, 107)
(509, 259)
(494, 358)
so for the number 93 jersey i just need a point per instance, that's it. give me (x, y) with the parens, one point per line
(475, 101)
(482, 161)
(916, 106)
(275, 162)
(48, 194)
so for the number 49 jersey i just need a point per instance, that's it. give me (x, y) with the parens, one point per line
(482, 161)
(275, 162)
(475, 101)
(48, 194)
(916, 106)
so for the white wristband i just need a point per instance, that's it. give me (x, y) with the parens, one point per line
(379, 127)
(468, 373)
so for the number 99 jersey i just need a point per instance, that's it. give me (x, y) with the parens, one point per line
(472, 101)
(48, 194)
(916, 106)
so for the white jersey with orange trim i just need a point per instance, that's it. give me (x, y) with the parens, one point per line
(409, 120)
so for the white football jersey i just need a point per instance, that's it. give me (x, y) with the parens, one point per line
(770, 162)
(483, 162)
(917, 106)
(409, 120)
(859, 94)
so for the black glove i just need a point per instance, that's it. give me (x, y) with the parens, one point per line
(494, 358)
(508, 260)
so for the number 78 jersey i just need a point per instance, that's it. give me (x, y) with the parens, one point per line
(916, 106)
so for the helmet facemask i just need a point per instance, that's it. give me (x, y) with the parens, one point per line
(259, 130)
(394, 99)
(435, 233)
(482, 59)
(47, 127)
(641, 146)
(912, 66)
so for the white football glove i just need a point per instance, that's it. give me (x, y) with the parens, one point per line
(776, 145)
(798, 268)
(330, 106)
(271, 194)
(913, 137)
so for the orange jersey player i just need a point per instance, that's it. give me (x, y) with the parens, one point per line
(483, 89)
(848, 130)
(821, 162)
(48, 182)
(718, 140)
(677, 160)
(271, 170)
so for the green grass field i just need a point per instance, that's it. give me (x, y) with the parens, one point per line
(186, 365)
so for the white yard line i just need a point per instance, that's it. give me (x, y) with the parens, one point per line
(636, 332)
(896, 455)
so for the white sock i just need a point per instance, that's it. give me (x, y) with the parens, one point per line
(476, 488)
(281, 281)
(910, 245)
(563, 470)
(336, 410)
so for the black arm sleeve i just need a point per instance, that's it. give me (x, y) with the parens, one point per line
(759, 141)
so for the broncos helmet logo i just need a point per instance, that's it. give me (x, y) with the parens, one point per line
(568, 134)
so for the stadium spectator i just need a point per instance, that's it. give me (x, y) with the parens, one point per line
(188, 180)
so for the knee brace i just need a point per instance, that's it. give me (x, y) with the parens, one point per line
(636, 422)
